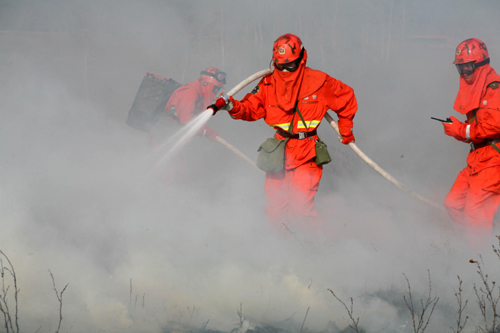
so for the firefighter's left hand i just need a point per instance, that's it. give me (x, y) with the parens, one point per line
(455, 129)
(346, 139)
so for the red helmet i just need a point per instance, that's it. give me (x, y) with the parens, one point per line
(287, 49)
(471, 50)
(213, 75)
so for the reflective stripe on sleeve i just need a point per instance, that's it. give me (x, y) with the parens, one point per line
(467, 132)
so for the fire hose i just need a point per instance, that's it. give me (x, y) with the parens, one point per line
(381, 171)
(236, 151)
(334, 125)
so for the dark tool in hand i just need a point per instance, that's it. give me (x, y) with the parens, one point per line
(448, 120)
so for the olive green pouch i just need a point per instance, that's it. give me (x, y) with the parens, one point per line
(271, 157)
(322, 155)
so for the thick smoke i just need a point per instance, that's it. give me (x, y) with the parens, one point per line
(80, 195)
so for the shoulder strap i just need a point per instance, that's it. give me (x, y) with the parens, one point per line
(290, 127)
(300, 114)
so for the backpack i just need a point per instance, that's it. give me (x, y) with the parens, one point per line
(150, 101)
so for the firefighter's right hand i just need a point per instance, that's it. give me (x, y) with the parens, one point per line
(346, 139)
(229, 104)
(220, 103)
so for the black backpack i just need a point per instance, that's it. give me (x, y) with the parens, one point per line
(150, 101)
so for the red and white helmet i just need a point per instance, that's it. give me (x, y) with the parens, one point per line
(288, 51)
(471, 50)
(214, 76)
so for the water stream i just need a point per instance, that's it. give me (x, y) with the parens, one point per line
(173, 145)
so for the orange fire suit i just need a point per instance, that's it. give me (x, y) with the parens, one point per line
(290, 193)
(185, 104)
(475, 195)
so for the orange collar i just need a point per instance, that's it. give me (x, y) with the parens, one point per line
(470, 93)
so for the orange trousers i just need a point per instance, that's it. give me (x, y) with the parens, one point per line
(290, 198)
(473, 200)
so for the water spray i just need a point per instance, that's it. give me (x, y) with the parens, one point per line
(177, 141)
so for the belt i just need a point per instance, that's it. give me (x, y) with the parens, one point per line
(300, 136)
(487, 142)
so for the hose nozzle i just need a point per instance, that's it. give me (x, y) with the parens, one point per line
(219, 103)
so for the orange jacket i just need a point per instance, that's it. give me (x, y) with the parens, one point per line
(331, 94)
(187, 102)
(485, 124)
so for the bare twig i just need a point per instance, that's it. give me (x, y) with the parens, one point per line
(4, 305)
(461, 308)
(350, 312)
(130, 295)
(418, 319)
(192, 312)
(303, 322)
(240, 314)
(496, 250)
(242, 321)
(487, 300)
(59, 296)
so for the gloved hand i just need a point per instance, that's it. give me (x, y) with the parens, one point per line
(229, 104)
(345, 128)
(220, 102)
(346, 139)
(456, 129)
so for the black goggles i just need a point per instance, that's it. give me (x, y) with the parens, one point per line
(220, 76)
(469, 67)
(291, 66)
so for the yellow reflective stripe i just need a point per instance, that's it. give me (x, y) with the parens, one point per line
(310, 124)
(283, 126)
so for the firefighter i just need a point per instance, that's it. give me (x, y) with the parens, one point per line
(475, 195)
(290, 193)
(187, 102)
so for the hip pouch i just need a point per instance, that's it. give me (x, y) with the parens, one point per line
(322, 155)
(271, 157)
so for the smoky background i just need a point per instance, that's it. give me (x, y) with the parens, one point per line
(80, 195)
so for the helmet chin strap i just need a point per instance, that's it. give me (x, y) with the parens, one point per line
(482, 63)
